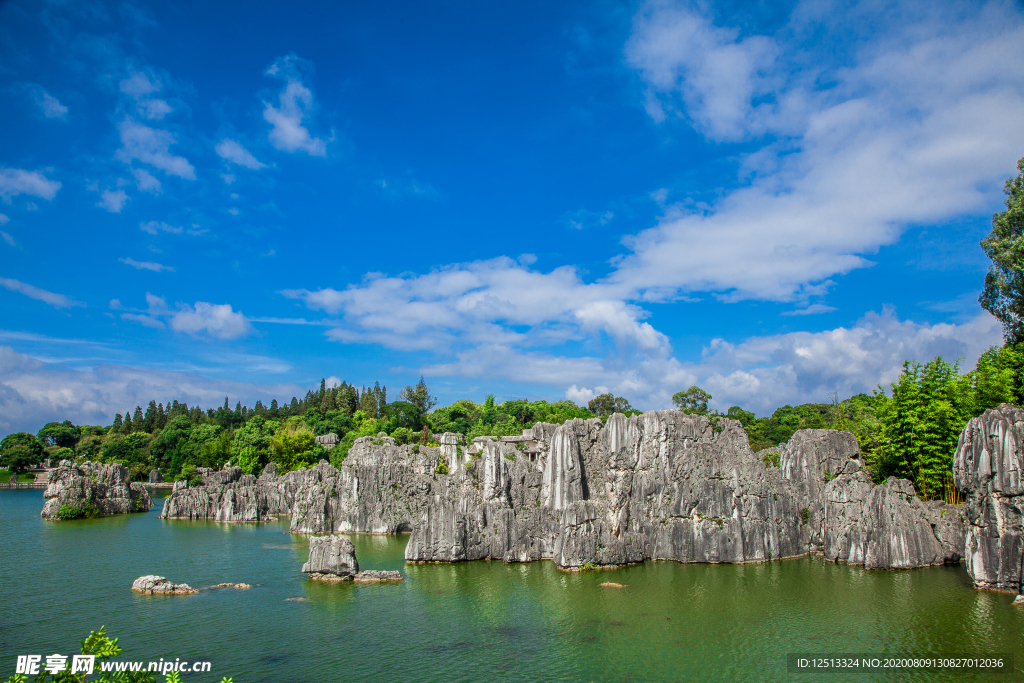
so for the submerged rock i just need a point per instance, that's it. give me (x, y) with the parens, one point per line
(92, 489)
(988, 468)
(158, 585)
(376, 576)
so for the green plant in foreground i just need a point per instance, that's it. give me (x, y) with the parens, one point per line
(102, 647)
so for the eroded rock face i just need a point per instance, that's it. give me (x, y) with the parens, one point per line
(158, 585)
(333, 555)
(662, 485)
(92, 489)
(987, 468)
(230, 496)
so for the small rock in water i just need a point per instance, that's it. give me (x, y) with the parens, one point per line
(297, 600)
(375, 576)
(610, 584)
(158, 585)
(233, 585)
(331, 556)
(1019, 600)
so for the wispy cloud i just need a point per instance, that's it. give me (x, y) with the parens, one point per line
(146, 265)
(47, 105)
(234, 152)
(146, 181)
(15, 181)
(295, 105)
(7, 238)
(55, 300)
(152, 146)
(813, 309)
(153, 227)
(113, 200)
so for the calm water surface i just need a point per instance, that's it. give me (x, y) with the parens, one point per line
(468, 622)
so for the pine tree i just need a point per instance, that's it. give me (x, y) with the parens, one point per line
(138, 421)
(126, 427)
(118, 424)
(149, 422)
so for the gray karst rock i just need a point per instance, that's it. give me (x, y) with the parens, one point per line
(333, 558)
(158, 585)
(230, 496)
(662, 485)
(155, 477)
(93, 489)
(988, 468)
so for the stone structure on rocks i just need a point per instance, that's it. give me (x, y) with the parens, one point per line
(92, 489)
(333, 558)
(158, 585)
(662, 485)
(989, 469)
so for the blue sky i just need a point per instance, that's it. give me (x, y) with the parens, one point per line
(534, 200)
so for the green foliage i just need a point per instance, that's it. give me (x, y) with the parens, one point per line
(19, 451)
(1003, 294)
(783, 423)
(62, 434)
(442, 465)
(250, 446)
(132, 451)
(292, 450)
(771, 457)
(805, 516)
(607, 404)
(71, 512)
(693, 401)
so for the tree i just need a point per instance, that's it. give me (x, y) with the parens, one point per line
(693, 401)
(419, 396)
(1003, 295)
(20, 451)
(606, 404)
(63, 434)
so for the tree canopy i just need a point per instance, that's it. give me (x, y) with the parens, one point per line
(1003, 295)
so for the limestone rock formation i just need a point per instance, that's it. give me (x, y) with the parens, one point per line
(155, 477)
(92, 489)
(988, 468)
(158, 585)
(333, 555)
(662, 485)
(333, 558)
(230, 496)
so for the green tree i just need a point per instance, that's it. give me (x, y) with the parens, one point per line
(63, 434)
(606, 404)
(1003, 295)
(250, 446)
(419, 396)
(693, 401)
(290, 451)
(19, 451)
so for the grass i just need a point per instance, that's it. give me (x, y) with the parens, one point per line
(5, 476)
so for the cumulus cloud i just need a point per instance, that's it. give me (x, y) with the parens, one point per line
(55, 300)
(146, 265)
(905, 128)
(113, 200)
(15, 181)
(234, 152)
(152, 146)
(214, 320)
(295, 105)
(33, 393)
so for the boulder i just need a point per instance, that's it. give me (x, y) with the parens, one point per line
(158, 585)
(155, 477)
(331, 556)
(988, 468)
(92, 489)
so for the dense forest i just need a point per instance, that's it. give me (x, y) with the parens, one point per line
(908, 429)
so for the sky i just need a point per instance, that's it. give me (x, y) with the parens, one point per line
(777, 202)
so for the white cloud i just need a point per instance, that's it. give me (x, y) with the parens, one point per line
(813, 309)
(581, 219)
(295, 104)
(146, 181)
(113, 200)
(33, 393)
(7, 238)
(154, 109)
(4, 219)
(15, 181)
(146, 265)
(49, 106)
(234, 152)
(152, 146)
(140, 84)
(153, 227)
(911, 126)
(55, 300)
(215, 320)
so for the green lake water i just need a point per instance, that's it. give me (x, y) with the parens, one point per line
(476, 621)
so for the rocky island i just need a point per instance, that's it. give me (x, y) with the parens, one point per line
(92, 489)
